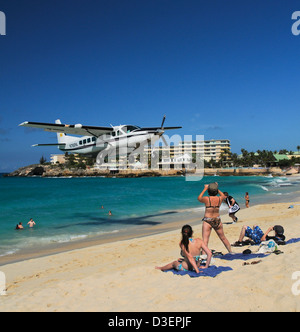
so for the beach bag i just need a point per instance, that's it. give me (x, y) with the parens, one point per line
(234, 208)
(267, 247)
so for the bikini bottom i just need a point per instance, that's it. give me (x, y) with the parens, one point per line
(181, 268)
(213, 222)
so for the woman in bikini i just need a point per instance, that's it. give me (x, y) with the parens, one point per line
(212, 218)
(247, 199)
(190, 250)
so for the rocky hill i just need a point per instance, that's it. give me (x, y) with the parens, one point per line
(57, 171)
(62, 171)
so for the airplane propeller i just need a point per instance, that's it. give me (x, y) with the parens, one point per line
(161, 131)
(163, 122)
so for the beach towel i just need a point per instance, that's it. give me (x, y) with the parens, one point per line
(212, 271)
(231, 257)
(294, 240)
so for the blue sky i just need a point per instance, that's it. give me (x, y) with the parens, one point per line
(223, 69)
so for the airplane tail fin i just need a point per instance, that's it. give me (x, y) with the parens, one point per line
(62, 138)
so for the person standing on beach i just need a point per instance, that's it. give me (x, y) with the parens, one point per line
(233, 206)
(247, 199)
(212, 218)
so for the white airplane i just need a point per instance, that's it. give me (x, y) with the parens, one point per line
(124, 139)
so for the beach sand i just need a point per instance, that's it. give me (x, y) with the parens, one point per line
(121, 276)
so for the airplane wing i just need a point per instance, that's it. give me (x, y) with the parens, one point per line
(76, 129)
(60, 145)
(156, 128)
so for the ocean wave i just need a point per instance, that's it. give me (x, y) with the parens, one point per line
(263, 188)
(8, 252)
(44, 241)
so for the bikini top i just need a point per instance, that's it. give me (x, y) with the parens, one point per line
(197, 258)
(211, 206)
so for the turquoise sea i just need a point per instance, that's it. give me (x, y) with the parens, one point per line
(69, 209)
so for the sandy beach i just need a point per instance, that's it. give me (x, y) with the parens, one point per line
(121, 276)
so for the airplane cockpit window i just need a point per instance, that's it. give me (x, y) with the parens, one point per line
(123, 130)
(129, 129)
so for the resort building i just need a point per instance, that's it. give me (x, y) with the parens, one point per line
(181, 154)
(185, 152)
(57, 159)
(210, 149)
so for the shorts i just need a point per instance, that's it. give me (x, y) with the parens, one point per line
(254, 234)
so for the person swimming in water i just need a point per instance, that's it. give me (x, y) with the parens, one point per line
(31, 223)
(19, 226)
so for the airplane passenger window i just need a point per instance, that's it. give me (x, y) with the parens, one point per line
(80, 142)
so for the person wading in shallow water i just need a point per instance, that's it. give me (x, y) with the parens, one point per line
(247, 199)
(212, 218)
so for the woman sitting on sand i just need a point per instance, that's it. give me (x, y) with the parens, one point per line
(190, 250)
(212, 218)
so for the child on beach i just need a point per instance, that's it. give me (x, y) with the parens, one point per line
(190, 250)
(212, 218)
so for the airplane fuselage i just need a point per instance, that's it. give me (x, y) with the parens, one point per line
(122, 139)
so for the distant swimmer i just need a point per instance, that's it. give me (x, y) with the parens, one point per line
(109, 213)
(31, 223)
(19, 226)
